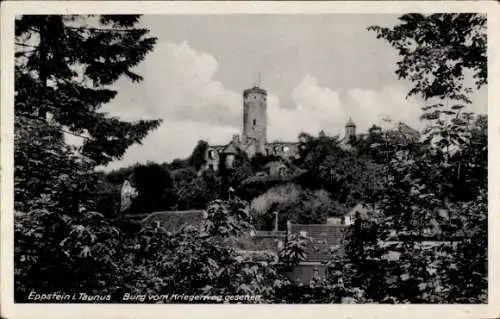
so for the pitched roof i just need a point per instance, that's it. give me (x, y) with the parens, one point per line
(323, 238)
(333, 220)
(266, 241)
(173, 220)
(350, 122)
(231, 149)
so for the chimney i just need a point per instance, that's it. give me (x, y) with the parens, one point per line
(275, 221)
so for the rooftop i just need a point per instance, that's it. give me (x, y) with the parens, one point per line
(255, 89)
(323, 238)
(172, 220)
(350, 122)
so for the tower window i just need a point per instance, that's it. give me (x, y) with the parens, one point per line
(254, 122)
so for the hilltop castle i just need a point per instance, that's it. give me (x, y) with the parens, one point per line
(254, 135)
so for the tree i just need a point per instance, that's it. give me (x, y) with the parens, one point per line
(259, 161)
(62, 76)
(155, 189)
(375, 146)
(295, 250)
(293, 203)
(193, 190)
(197, 158)
(343, 173)
(64, 69)
(436, 52)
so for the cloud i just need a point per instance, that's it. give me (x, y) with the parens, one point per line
(180, 87)
(173, 140)
(321, 108)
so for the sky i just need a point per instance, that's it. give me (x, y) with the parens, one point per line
(318, 70)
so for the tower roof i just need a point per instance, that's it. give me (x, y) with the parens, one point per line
(350, 122)
(255, 89)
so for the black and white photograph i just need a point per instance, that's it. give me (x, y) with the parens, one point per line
(248, 158)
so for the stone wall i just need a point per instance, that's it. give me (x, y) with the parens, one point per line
(255, 118)
(213, 157)
(282, 149)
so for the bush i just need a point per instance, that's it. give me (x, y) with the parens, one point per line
(292, 203)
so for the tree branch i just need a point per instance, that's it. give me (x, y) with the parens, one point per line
(103, 29)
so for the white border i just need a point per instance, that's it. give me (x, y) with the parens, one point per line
(10, 310)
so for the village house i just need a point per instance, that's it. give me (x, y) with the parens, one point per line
(325, 240)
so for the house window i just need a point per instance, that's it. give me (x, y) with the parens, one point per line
(276, 149)
(286, 149)
(229, 161)
(348, 221)
(303, 233)
(212, 167)
(268, 152)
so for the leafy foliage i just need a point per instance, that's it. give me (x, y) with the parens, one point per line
(344, 174)
(155, 189)
(421, 178)
(437, 50)
(66, 74)
(197, 158)
(193, 191)
(200, 260)
(295, 204)
(61, 242)
(295, 250)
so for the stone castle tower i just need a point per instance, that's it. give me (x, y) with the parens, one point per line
(255, 120)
